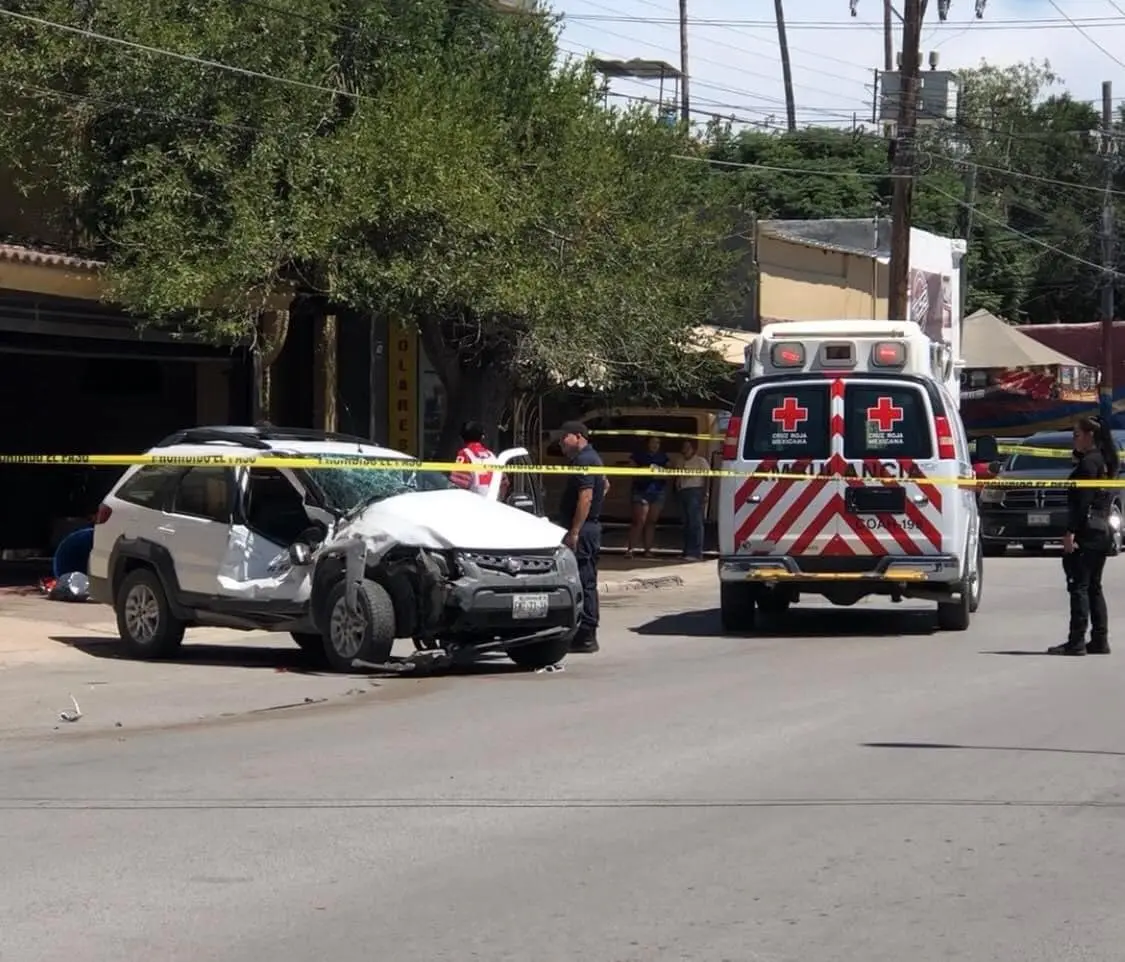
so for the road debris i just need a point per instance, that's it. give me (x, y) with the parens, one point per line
(71, 716)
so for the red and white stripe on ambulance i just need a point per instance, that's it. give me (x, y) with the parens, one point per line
(836, 432)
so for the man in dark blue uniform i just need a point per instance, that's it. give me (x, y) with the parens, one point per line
(580, 512)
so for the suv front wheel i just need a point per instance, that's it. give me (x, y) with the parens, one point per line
(144, 618)
(367, 634)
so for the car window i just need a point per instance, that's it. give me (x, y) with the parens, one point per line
(204, 493)
(789, 421)
(1032, 461)
(346, 488)
(148, 486)
(886, 421)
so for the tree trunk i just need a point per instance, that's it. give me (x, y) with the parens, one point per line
(474, 395)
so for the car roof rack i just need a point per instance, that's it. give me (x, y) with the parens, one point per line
(254, 436)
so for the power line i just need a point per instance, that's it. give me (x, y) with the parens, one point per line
(977, 212)
(790, 170)
(1012, 25)
(186, 58)
(1077, 27)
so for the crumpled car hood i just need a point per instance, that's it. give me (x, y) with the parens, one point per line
(442, 520)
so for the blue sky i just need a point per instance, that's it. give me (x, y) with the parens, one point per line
(735, 68)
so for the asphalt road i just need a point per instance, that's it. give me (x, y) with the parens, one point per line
(854, 788)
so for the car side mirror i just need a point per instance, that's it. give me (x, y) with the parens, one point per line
(300, 554)
(987, 449)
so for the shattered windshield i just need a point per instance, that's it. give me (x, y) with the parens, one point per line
(348, 488)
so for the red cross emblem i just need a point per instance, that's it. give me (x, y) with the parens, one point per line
(885, 414)
(790, 414)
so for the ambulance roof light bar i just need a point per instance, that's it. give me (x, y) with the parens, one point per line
(888, 354)
(787, 354)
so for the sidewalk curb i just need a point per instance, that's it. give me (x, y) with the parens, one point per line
(639, 584)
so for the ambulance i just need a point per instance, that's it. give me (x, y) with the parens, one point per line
(862, 419)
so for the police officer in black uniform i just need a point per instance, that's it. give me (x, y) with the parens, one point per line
(1089, 538)
(580, 512)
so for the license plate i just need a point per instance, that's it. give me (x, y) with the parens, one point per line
(1039, 519)
(530, 606)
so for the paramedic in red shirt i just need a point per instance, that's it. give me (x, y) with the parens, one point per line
(473, 449)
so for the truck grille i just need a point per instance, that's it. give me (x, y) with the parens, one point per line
(513, 564)
(1032, 498)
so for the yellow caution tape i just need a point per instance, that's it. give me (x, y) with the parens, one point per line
(1059, 453)
(446, 467)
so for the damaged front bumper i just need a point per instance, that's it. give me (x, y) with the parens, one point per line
(500, 600)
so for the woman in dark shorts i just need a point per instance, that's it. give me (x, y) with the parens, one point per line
(648, 498)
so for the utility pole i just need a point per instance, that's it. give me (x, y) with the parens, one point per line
(903, 198)
(888, 38)
(685, 100)
(786, 70)
(967, 212)
(1109, 274)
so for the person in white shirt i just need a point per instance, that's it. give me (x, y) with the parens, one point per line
(690, 492)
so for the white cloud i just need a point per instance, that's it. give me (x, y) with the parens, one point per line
(735, 68)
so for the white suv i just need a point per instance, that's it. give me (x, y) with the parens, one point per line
(346, 559)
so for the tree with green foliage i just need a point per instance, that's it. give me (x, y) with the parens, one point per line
(426, 159)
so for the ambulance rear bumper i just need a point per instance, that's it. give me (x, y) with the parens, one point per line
(929, 569)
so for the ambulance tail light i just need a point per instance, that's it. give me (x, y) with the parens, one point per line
(788, 354)
(946, 447)
(889, 354)
(730, 442)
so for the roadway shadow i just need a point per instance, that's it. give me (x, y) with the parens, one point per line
(204, 654)
(797, 623)
(1018, 652)
(989, 748)
(282, 658)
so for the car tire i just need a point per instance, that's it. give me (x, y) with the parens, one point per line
(145, 620)
(368, 636)
(978, 584)
(737, 607)
(540, 654)
(995, 550)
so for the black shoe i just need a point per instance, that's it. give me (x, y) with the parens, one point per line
(1067, 649)
(584, 643)
(1097, 648)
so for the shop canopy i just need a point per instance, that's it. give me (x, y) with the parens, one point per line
(989, 342)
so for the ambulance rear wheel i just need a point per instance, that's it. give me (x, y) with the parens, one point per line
(737, 607)
(775, 602)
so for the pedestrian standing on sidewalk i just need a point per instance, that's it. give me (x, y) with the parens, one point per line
(580, 512)
(691, 491)
(1089, 538)
(648, 499)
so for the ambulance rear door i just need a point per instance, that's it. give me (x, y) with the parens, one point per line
(784, 426)
(892, 430)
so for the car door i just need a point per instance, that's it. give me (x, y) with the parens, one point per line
(786, 428)
(195, 527)
(271, 515)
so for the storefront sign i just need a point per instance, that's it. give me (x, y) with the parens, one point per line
(402, 381)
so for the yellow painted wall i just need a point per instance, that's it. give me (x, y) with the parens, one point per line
(803, 283)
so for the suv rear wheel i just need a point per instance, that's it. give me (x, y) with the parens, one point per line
(368, 634)
(144, 618)
(737, 607)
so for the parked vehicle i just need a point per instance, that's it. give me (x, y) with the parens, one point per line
(835, 403)
(1035, 516)
(346, 559)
